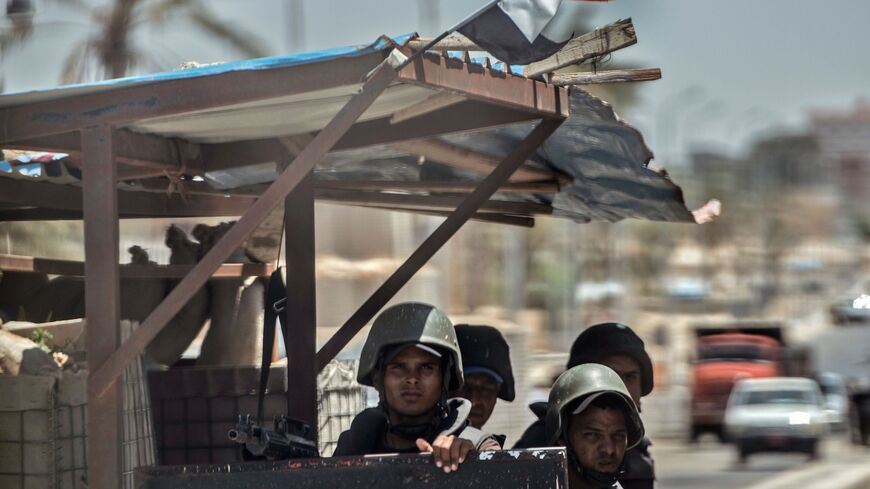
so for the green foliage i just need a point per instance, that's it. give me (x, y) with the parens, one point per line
(43, 338)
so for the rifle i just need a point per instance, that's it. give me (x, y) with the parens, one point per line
(291, 438)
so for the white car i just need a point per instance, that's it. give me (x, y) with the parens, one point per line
(776, 414)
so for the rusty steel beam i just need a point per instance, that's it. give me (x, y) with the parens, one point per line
(17, 263)
(102, 297)
(507, 219)
(428, 202)
(492, 86)
(131, 203)
(469, 115)
(541, 187)
(466, 159)
(258, 211)
(436, 240)
(465, 116)
(164, 98)
(131, 148)
(301, 308)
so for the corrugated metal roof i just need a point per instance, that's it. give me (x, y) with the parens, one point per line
(606, 158)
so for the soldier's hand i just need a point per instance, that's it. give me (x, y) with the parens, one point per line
(447, 451)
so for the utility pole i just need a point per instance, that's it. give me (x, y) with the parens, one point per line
(295, 12)
(428, 15)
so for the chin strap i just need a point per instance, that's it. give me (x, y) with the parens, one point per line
(427, 431)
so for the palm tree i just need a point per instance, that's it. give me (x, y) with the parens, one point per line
(110, 50)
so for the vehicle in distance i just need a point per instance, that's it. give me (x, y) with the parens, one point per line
(776, 414)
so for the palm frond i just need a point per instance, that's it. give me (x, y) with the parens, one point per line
(14, 36)
(244, 42)
(159, 11)
(73, 65)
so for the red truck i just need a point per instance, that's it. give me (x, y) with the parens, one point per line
(722, 357)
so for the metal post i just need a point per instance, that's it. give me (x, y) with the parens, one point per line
(301, 302)
(301, 166)
(100, 205)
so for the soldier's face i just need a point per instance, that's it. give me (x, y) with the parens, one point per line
(629, 371)
(412, 382)
(599, 438)
(482, 391)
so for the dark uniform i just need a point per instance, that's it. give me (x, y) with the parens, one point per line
(397, 327)
(592, 345)
(572, 392)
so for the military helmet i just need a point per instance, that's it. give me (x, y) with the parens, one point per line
(581, 382)
(485, 347)
(410, 322)
(602, 340)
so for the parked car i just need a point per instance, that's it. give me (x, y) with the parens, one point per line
(836, 397)
(784, 414)
(851, 310)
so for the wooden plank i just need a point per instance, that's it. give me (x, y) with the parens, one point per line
(102, 296)
(467, 159)
(428, 202)
(544, 187)
(436, 240)
(135, 102)
(18, 263)
(612, 76)
(301, 302)
(302, 165)
(453, 42)
(431, 104)
(590, 45)
(510, 220)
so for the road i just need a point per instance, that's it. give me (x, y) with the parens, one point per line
(711, 465)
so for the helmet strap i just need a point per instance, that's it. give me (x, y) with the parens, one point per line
(412, 431)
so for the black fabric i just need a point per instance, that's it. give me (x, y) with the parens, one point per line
(496, 32)
(485, 346)
(535, 436)
(602, 340)
(276, 298)
(638, 462)
(367, 433)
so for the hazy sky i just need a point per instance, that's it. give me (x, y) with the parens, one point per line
(731, 69)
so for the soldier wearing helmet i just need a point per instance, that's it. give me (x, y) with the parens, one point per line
(487, 368)
(616, 346)
(412, 358)
(590, 412)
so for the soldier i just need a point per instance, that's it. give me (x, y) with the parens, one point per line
(619, 348)
(411, 357)
(487, 367)
(590, 412)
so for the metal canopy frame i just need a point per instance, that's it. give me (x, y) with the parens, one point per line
(88, 127)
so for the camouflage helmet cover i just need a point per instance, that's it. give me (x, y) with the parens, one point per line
(410, 322)
(580, 382)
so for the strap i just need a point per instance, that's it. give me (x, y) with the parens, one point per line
(276, 300)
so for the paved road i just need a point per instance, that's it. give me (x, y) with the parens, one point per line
(711, 465)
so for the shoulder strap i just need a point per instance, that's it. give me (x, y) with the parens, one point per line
(276, 299)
